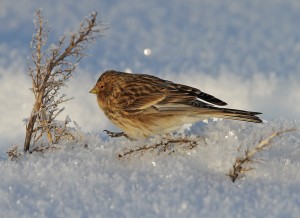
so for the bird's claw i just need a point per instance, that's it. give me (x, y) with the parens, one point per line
(115, 134)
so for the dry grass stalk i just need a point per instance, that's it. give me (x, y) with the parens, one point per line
(167, 146)
(13, 153)
(44, 149)
(73, 134)
(51, 70)
(239, 164)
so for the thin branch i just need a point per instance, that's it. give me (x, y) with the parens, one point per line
(239, 164)
(51, 69)
(167, 146)
(13, 153)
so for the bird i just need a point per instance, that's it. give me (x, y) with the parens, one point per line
(144, 105)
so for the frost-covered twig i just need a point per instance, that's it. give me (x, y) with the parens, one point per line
(240, 162)
(43, 149)
(51, 70)
(164, 146)
(13, 153)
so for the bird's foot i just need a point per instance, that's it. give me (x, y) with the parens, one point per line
(115, 134)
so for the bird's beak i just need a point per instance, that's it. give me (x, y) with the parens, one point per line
(93, 91)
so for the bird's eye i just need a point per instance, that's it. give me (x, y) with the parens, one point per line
(102, 86)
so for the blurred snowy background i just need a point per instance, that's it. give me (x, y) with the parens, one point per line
(246, 53)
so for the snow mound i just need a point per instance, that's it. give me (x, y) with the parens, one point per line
(88, 179)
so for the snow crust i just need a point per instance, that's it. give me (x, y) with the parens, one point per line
(88, 180)
(243, 52)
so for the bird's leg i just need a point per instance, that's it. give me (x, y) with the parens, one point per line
(116, 134)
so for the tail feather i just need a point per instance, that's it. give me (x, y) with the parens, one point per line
(250, 118)
(210, 112)
(234, 114)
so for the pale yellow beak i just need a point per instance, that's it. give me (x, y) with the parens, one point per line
(93, 91)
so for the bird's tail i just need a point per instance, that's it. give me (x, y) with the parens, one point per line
(233, 114)
(208, 111)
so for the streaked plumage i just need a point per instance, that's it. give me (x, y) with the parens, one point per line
(143, 105)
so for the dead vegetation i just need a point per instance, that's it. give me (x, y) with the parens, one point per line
(13, 153)
(172, 145)
(52, 67)
(164, 146)
(241, 164)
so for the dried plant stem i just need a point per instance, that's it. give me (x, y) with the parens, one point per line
(13, 153)
(51, 70)
(162, 146)
(44, 149)
(239, 168)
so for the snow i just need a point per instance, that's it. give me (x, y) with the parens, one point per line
(90, 181)
(243, 52)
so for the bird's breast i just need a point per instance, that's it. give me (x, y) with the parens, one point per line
(101, 102)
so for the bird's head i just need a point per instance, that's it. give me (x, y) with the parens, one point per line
(104, 84)
(98, 87)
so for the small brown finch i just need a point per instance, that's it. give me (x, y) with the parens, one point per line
(143, 105)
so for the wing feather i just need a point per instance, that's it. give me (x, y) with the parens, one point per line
(145, 91)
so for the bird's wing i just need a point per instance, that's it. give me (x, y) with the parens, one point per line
(144, 102)
(152, 92)
(183, 92)
(138, 95)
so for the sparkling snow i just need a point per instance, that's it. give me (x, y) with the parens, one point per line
(247, 53)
